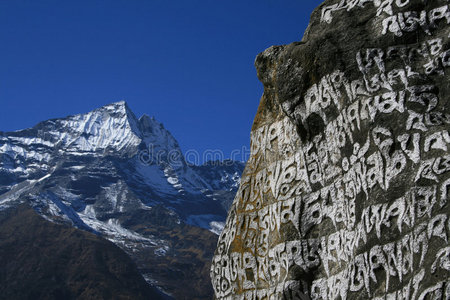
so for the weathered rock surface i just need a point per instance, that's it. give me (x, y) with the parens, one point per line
(345, 195)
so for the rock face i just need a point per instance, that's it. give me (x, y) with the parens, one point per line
(345, 195)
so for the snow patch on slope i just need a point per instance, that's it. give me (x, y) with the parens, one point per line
(208, 222)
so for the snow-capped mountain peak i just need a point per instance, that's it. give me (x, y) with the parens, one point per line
(141, 152)
(109, 172)
(113, 126)
(154, 134)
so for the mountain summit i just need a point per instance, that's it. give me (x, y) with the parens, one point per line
(125, 179)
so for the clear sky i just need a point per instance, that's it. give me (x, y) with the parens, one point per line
(187, 63)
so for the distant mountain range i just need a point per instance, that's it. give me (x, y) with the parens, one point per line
(125, 179)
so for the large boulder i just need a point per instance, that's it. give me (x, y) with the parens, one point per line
(345, 195)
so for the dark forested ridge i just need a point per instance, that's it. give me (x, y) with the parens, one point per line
(43, 260)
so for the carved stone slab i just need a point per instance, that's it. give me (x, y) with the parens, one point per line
(345, 195)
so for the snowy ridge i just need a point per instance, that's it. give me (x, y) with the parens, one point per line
(76, 146)
(111, 127)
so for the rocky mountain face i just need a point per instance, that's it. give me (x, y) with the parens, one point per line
(224, 178)
(345, 195)
(125, 179)
(43, 260)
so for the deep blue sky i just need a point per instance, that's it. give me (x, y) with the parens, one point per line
(188, 63)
